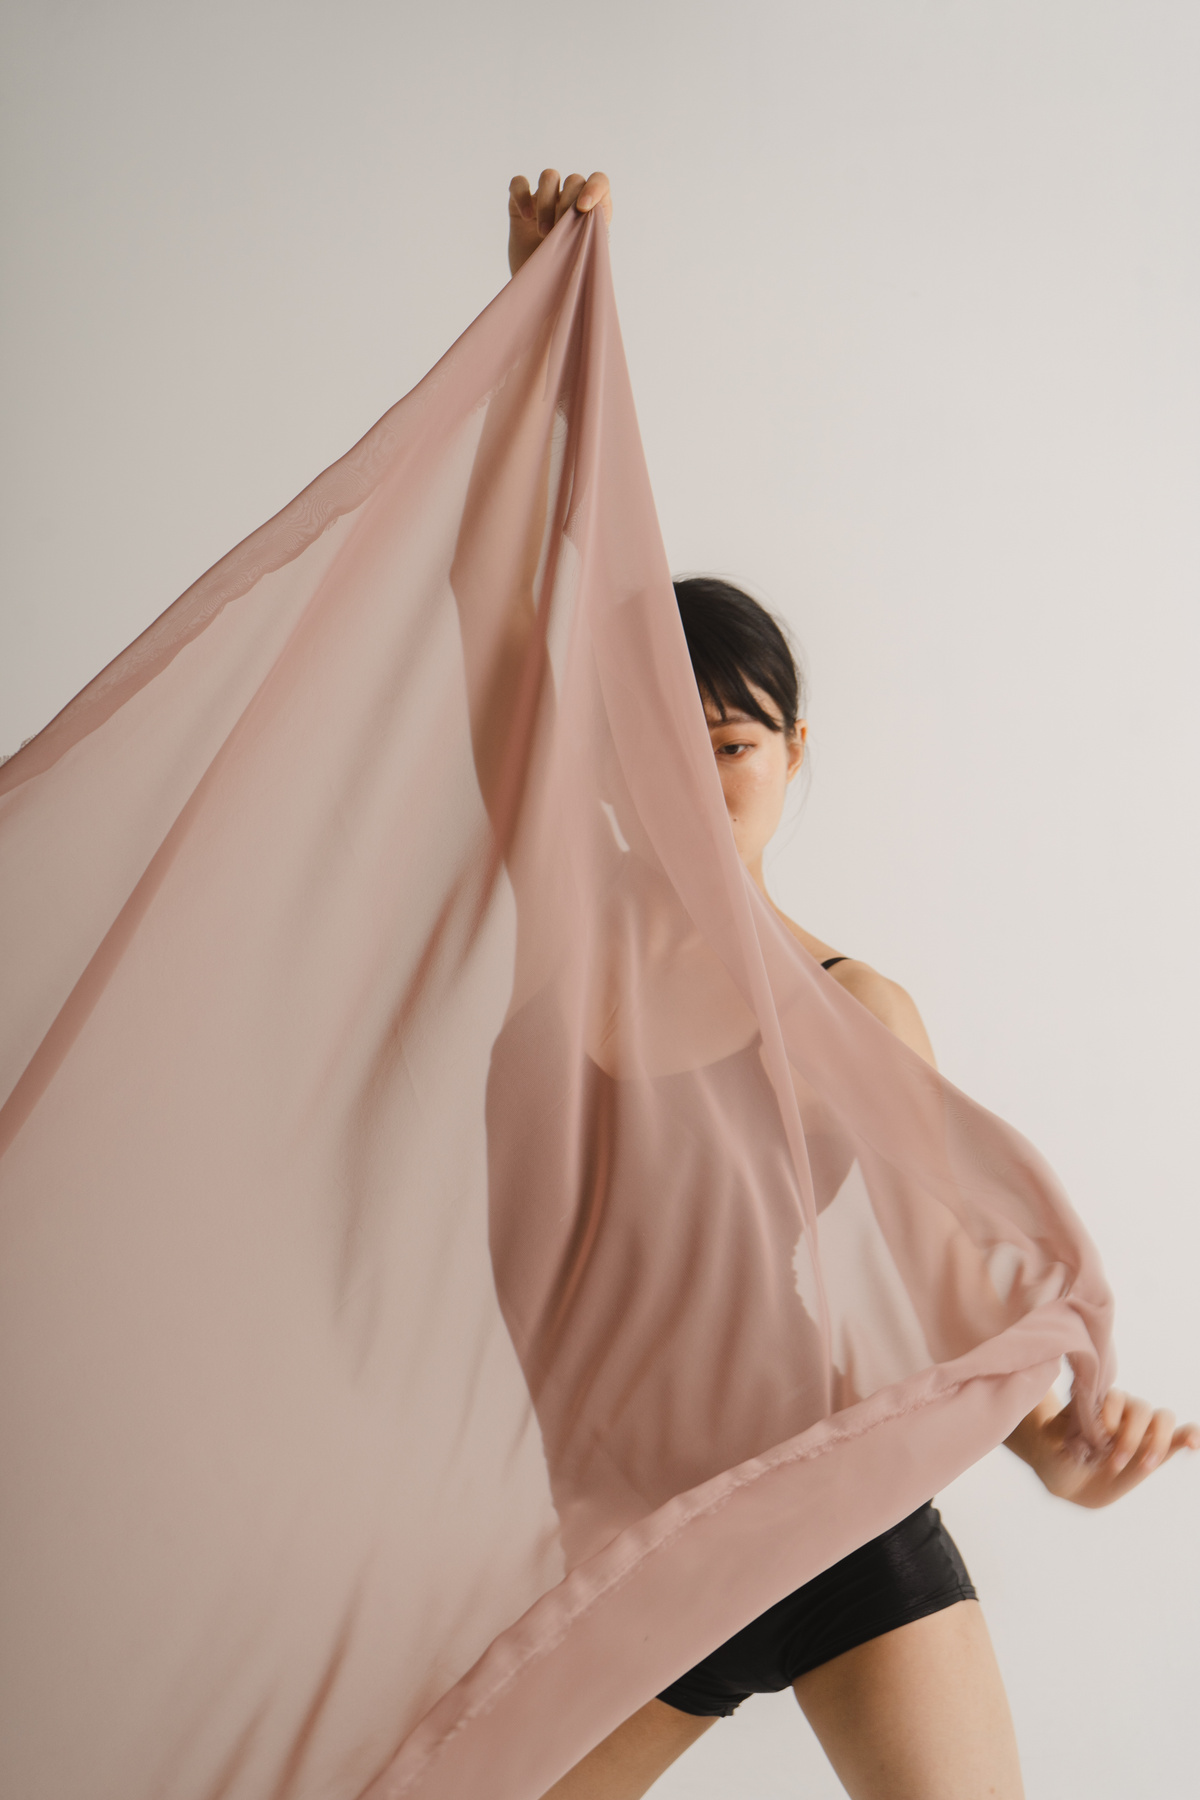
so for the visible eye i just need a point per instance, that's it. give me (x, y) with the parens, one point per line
(732, 750)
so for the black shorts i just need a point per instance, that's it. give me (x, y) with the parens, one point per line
(904, 1574)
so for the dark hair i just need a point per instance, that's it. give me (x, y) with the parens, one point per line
(734, 641)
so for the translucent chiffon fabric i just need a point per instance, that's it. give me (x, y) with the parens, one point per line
(461, 1257)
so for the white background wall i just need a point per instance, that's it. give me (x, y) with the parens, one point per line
(910, 292)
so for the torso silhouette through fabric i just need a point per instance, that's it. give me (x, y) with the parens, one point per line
(461, 1258)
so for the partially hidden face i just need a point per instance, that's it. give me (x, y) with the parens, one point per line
(755, 765)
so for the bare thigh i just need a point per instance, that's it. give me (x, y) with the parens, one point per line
(632, 1758)
(917, 1714)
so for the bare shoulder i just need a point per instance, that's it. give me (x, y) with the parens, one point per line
(892, 1005)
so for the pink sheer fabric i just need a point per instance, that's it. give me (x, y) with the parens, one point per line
(462, 1258)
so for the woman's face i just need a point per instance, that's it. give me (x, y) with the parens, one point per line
(755, 765)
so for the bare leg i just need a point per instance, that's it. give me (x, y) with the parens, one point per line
(632, 1758)
(917, 1714)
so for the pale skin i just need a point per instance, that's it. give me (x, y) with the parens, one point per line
(919, 1713)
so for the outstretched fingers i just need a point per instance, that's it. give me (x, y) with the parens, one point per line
(1160, 1440)
(1185, 1437)
(1155, 1446)
(1142, 1436)
(1129, 1429)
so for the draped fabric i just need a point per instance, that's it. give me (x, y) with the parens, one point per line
(462, 1258)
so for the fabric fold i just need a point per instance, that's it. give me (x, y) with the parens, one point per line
(462, 1258)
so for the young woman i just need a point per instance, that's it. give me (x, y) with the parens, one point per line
(887, 1651)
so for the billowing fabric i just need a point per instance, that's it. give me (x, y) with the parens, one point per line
(462, 1259)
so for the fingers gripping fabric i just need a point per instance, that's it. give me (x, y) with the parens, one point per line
(461, 1259)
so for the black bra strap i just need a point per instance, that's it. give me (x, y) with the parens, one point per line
(830, 962)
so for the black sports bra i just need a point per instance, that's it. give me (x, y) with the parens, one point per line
(829, 962)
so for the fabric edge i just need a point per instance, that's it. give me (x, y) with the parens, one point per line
(624, 1624)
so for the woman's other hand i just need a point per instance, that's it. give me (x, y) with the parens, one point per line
(1141, 1439)
(531, 216)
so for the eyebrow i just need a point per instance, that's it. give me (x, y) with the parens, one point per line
(733, 717)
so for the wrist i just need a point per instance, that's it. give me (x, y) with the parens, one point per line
(1022, 1442)
(1027, 1438)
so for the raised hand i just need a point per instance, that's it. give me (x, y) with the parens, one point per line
(1142, 1438)
(531, 216)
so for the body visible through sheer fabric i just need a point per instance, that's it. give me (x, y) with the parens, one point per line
(445, 1213)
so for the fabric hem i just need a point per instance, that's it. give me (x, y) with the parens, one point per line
(731, 1534)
